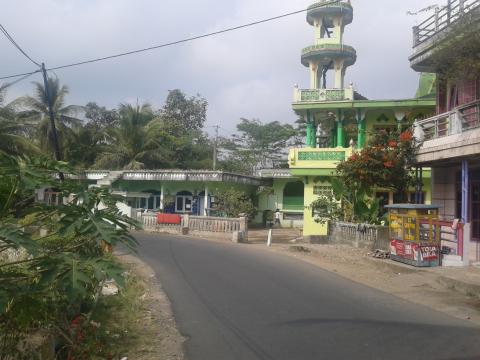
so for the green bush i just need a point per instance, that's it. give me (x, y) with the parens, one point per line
(61, 274)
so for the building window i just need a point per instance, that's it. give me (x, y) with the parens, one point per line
(293, 216)
(183, 202)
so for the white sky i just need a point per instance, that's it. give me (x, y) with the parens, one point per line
(249, 73)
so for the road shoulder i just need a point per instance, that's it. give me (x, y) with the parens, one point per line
(165, 340)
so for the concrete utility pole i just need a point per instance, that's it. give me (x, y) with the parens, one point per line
(215, 145)
(56, 144)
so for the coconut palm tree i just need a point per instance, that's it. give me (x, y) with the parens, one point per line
(133, 143)
(13, 140)
(35, 110)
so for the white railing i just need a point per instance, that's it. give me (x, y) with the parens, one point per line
(442, 18)
(195, 224)
(274, 173)
(214, 224)
(461, 119)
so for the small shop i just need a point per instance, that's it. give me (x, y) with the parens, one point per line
(414, 234)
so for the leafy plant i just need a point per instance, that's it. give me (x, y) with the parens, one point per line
(386, 162)
(233, 203)
(59, 274)
(259, 145)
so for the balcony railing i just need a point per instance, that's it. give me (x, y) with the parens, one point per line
(442, 18)
(316, 95)
(461, 119)
(317, 158)
(274, 173)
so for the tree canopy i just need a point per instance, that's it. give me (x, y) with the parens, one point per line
(258, 145)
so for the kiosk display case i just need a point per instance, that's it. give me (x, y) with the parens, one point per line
(414, 234)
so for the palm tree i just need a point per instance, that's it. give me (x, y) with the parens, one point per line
(133, 143)
(35, 110)
(13, 140)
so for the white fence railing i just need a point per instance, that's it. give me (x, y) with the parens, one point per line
(196, 224)
(463, 118)
(214, 224)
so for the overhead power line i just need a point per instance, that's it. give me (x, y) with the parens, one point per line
(7, 85)
(18, 75)
(185, 40)
(14, 43)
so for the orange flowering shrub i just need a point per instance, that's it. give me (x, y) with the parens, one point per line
(386, 162)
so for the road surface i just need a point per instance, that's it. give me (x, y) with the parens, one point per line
(234, 302)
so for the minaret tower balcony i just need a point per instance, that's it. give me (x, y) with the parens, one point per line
(324, 54)
(328, 18)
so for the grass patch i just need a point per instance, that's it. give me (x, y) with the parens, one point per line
(118, 326)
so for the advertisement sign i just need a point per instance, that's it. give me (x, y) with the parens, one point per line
(406, 250)
(429, 252)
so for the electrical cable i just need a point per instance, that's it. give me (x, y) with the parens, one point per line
(14, 43)
(7, 85)
(185, 40)
(17, 75)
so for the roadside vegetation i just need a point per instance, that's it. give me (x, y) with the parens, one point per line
(386, 164)
(137, 136)
(55, 260)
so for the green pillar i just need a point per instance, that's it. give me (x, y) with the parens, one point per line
(311, 134)
(361, 124)
(307, 138)
(310, 140)
(340, 133)
(333, 139)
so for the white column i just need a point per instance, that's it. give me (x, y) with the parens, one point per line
(338, 29)
(318, 24)
(339, 73)
(162, 191)
(313, 75)
(205, 206)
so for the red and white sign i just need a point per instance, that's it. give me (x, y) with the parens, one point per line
(404, 249)
(429, 252)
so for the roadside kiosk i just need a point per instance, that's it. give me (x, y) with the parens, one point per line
(414, 234)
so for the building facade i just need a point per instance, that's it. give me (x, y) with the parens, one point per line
(451, 138)
(338, 119)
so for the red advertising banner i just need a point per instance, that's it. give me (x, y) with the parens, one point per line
(404, 249)
(429, 252)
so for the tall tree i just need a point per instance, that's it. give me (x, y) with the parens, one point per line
(99, 117)
(13, 140)
(181, 114)
(35, 109)
(258, 145)
(131, 144)
(92, 139)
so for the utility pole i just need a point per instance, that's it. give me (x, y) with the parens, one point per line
(56, 144)
(215, 145)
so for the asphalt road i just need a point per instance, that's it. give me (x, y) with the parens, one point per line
(238, 302)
